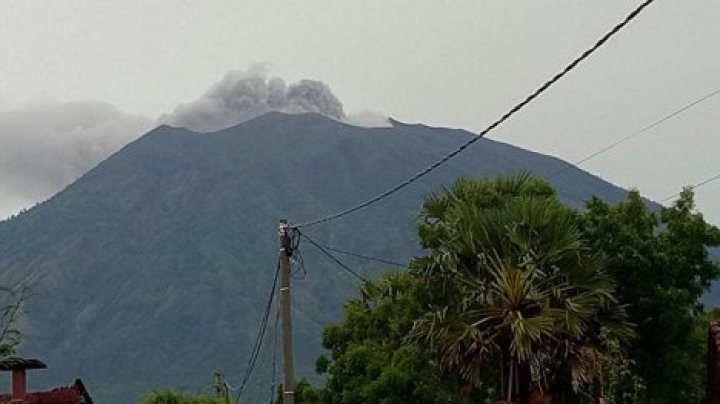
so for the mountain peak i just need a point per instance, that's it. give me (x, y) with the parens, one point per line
(174, 235)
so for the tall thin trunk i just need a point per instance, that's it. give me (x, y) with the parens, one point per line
(502, 374)
(510, 379)
(524, 383)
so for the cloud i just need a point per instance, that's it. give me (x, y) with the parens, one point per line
(243, 95)
(46, 146)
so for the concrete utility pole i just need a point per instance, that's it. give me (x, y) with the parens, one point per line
(285, 307)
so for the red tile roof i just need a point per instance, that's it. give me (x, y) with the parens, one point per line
(75, 394)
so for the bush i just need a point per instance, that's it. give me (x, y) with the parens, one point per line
(177, 397)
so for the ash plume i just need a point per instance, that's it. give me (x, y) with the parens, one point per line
(240, 96)
(46, 146)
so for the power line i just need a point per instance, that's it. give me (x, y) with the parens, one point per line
(696, 186)
(362, 256)
(260, 336)
(341, 264)
(489, 128)
(332, 257)
(300, 270)
(255, 352)
(638, 132)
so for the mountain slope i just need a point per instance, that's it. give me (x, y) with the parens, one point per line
(154, 267)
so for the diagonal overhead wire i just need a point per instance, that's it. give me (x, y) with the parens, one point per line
(490, 127)
(639, 132)
(696, 186)
(259, 338)
(362, 256)
(336, 260)
(332, 257)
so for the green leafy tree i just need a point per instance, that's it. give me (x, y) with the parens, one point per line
(520, 297)
(621, 384)
(661, 265)
(370, 358)
(518, 293)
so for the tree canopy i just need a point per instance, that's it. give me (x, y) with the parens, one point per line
(370, 359)
(505, 299)
(522, 298)
(660, 261)
(518, 295)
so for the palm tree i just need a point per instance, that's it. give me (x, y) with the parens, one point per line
(517, 287)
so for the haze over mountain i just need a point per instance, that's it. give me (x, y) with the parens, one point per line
(153, 268)
(48, 145)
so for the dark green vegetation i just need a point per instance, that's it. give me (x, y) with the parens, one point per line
(176, 397)
(11, 306)
(516, 286)
(662, 267)
(517, 294)
(370, 357)
(153, 268)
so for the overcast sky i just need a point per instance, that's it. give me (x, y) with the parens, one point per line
(447, 63)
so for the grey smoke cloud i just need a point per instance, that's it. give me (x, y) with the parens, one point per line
(46, 146)
(243, 95)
